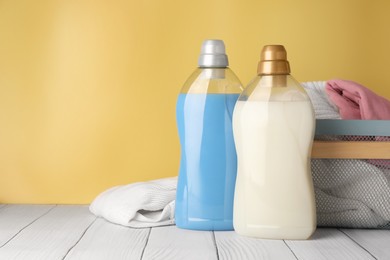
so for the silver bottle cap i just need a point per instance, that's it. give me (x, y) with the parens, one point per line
(213, 55)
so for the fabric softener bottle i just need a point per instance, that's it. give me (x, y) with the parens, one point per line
(208, 165)
(273, 125)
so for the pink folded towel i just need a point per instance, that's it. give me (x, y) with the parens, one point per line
(357, 102)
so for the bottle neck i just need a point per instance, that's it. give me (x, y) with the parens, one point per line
(274, 81)
(213, 73)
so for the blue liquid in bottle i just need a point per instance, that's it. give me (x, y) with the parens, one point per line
(208, 165)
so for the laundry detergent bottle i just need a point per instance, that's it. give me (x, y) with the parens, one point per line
(208, 164)
(273, 125)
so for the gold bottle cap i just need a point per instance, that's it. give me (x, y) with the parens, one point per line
(273, 61)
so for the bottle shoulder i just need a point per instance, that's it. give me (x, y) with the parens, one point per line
(212, 81)
(282, 88)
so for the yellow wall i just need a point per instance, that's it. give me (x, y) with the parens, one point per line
(88, 88)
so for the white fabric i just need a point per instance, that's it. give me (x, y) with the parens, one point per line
(139, 205)
(323, 107)
(351, 193)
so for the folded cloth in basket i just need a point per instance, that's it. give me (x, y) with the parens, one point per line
(351, 193)
(138, 205)
(356, 101)
(323, 107)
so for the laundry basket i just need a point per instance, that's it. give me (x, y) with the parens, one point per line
(351, 173)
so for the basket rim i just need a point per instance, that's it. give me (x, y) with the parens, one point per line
(352, 127)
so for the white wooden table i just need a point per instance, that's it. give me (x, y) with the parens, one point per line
(72, 232)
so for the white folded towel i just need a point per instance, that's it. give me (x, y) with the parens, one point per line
(323, 107)
(138, 205)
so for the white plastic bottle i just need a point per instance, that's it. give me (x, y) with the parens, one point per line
(273, 126)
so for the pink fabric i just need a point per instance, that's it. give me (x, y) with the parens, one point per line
(356, 101)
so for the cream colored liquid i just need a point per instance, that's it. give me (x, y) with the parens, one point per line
(274, 195)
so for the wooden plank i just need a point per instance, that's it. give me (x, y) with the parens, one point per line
(328, 244)
(350, 150)
(377, 242)
(233, 246)
(104, 240)
(174, 243)
(14, 218)
(51, 236)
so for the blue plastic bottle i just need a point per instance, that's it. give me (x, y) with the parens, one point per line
(208, 165)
